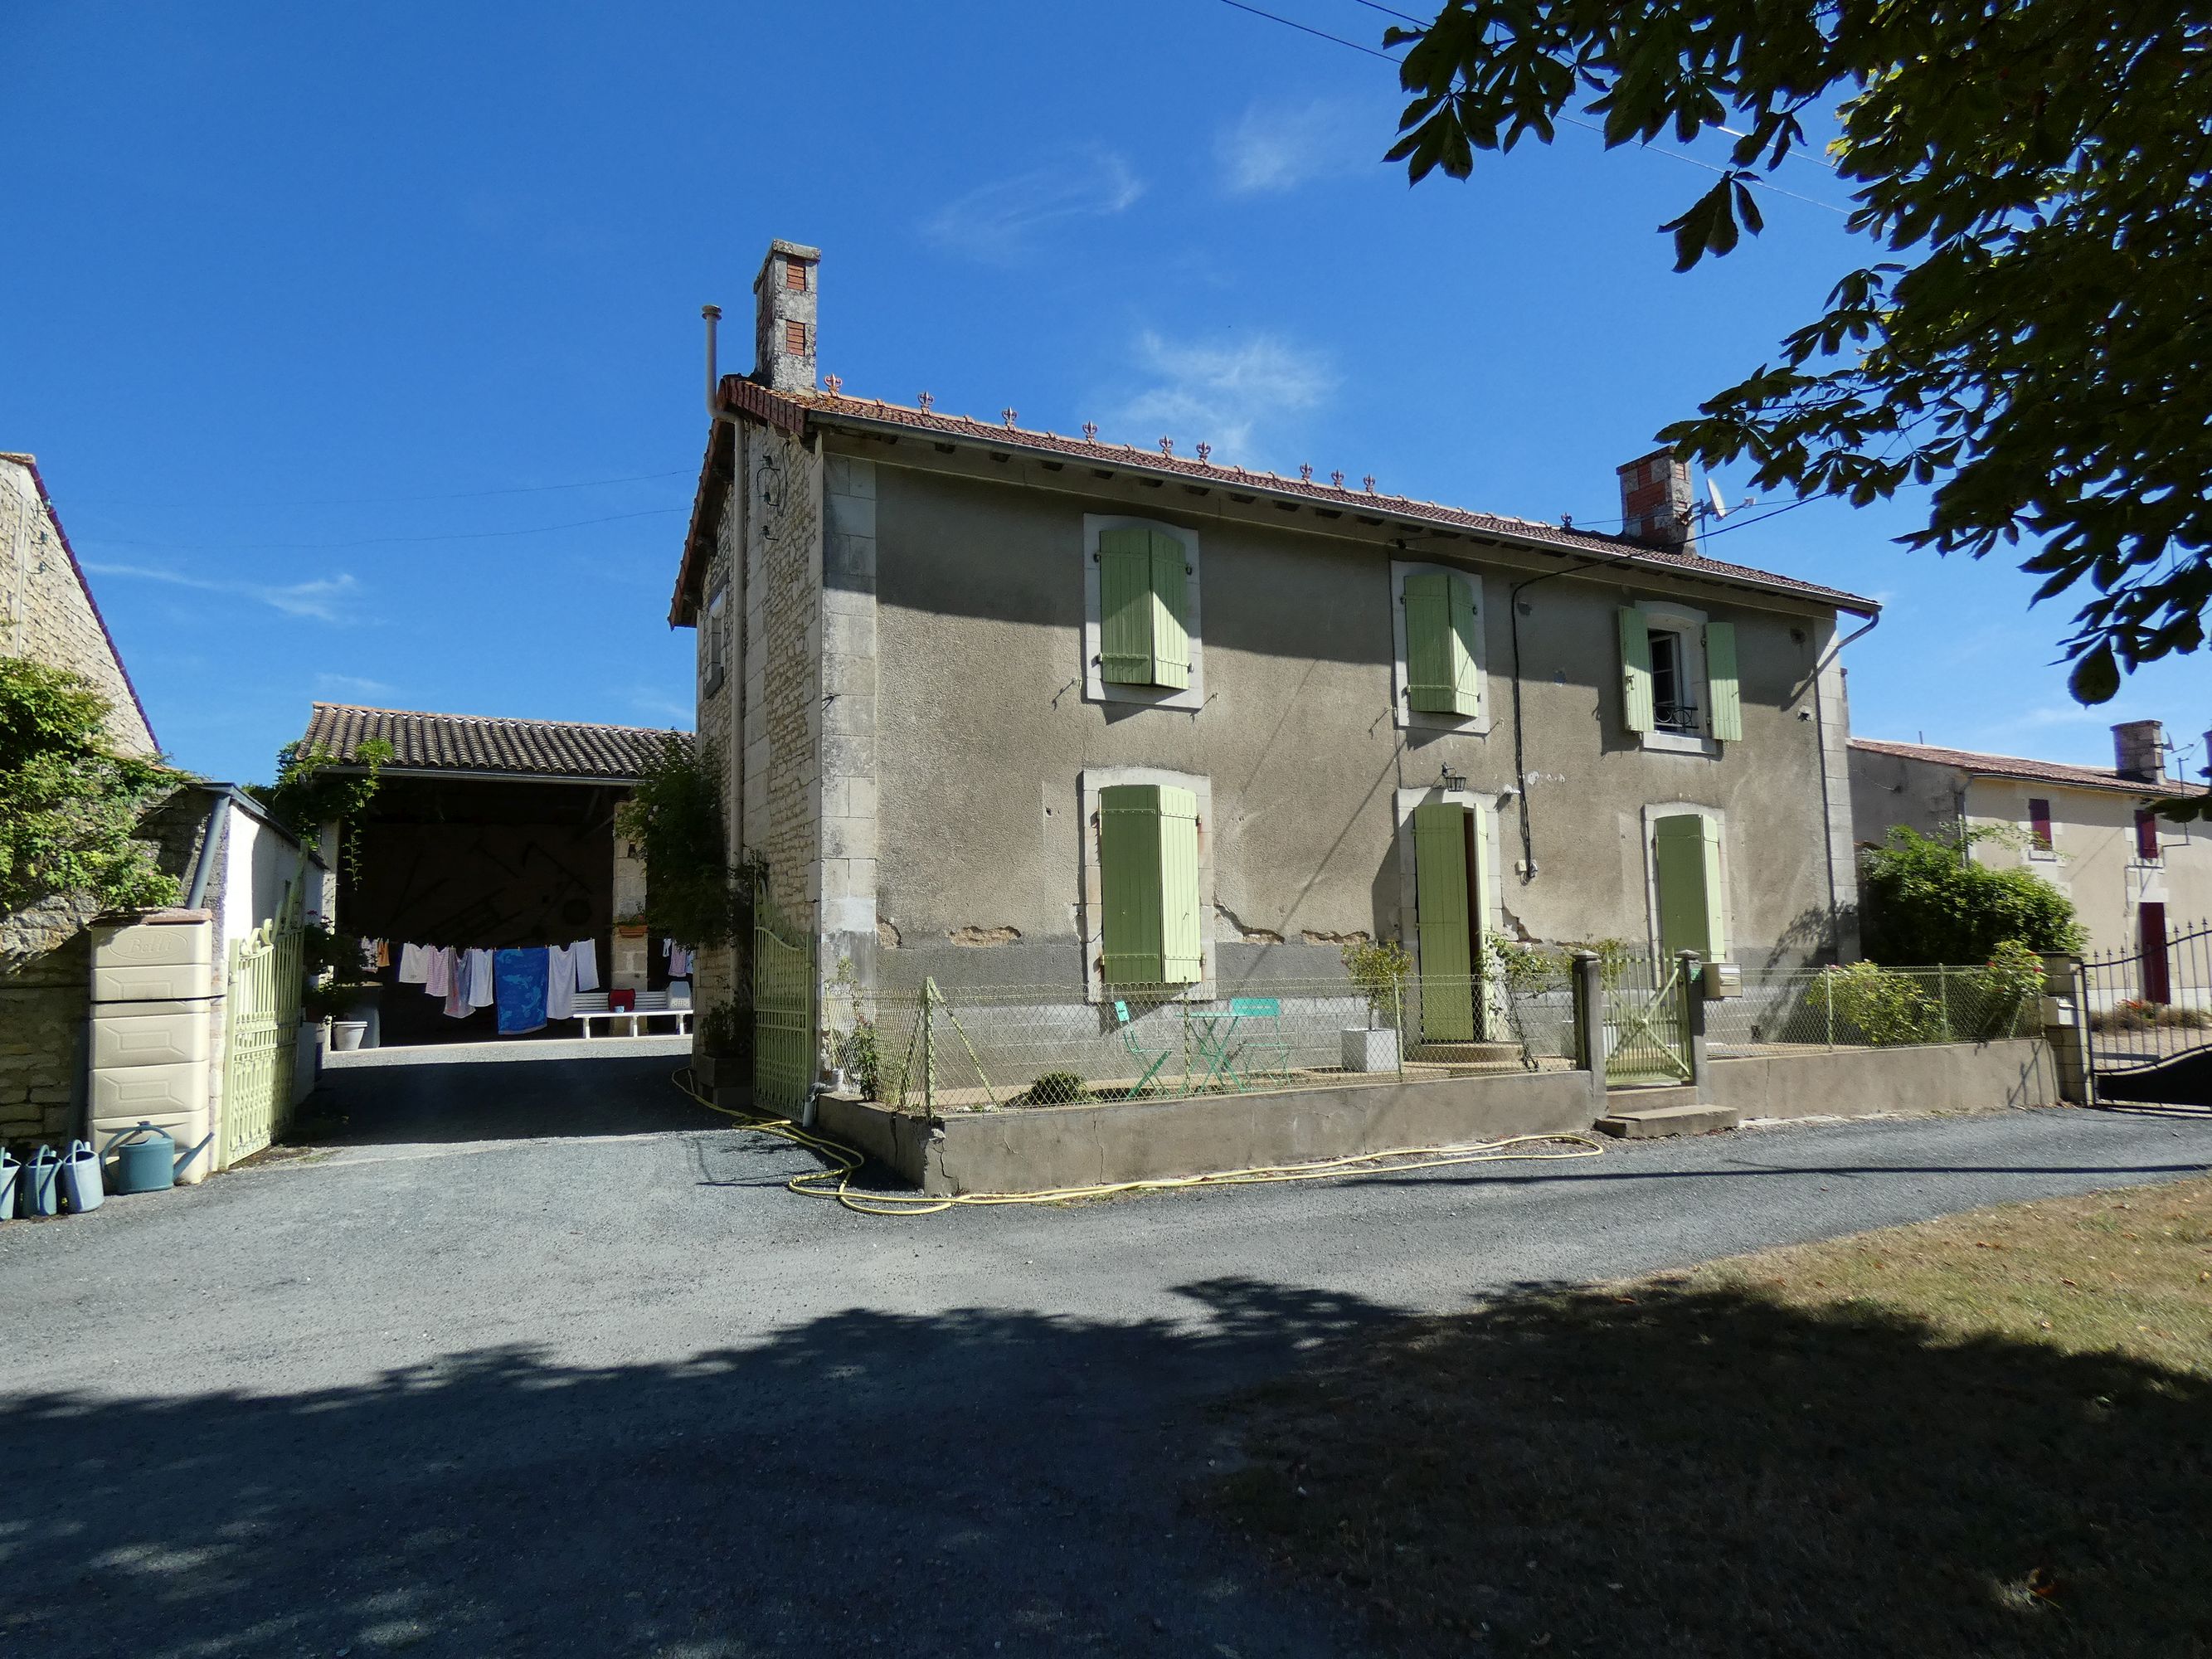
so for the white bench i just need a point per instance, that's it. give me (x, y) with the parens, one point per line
(591, 1008)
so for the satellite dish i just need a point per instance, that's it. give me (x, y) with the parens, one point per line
(1720, 507)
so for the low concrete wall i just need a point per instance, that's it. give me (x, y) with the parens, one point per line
(1044, 1149)
(1948, 1077)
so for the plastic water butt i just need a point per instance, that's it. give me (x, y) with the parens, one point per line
(10, 1169)
(41, 1179)
(82, 1186)
(145, 1160)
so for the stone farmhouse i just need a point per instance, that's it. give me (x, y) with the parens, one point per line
(1016, 708)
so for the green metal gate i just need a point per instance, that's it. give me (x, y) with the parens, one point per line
(1647, 1026)
(786, 1046)
(261, 1026)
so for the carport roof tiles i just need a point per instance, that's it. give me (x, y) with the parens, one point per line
(424, 742)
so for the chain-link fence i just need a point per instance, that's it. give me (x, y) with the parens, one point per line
(1865, 1005)
(969, 1047)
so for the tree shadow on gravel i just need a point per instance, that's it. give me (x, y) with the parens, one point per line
(1696, 1471)
(957, 1483)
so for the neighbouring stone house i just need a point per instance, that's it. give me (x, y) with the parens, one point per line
(47, 613)
(1014, 708)
(2088, 830)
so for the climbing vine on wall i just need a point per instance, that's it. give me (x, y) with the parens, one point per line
(71, 805)
(309, 793)
(692, 894)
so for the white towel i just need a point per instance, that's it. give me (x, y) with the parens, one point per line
(480, 979)
(438, 968)
(414, 964)
(586, 952)
(560, 981)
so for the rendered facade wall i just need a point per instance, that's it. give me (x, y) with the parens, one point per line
(984, 732)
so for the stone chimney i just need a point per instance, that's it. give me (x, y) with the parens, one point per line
(784, 303)
(1656, 503)
(2139, 751)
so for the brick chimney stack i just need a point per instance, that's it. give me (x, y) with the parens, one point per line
(784, 307)
(1656, 503)
(2139, 751)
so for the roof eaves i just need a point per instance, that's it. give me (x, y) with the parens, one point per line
(875, 414)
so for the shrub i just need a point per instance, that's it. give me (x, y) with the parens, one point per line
(677, 813)
(1379, 971)
(2010, 978)
(1058, 1089)
(1886, 1007)
(858, 1054)
(2137, 1015)
(726, 1032)
(1927, 901)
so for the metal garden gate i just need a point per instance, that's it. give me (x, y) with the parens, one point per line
(2149, 1015)
(262, 1033)
(786, 1045)
(1647, 1027)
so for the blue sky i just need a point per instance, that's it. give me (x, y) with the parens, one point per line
(360, 346)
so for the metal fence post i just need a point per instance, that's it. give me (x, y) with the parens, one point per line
(928, 1051)
(1944, 996)
(1694, 1027)
(1828, 996)
(1589, 1025)
(1398, 1021)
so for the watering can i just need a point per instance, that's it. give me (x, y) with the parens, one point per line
(41, 1183)
(10, 1169)
(82, 1186)
(145, 1159)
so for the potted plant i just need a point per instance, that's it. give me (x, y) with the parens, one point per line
(1379, 972)
(336, 987)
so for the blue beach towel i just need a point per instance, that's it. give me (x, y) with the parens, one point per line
(519, 987)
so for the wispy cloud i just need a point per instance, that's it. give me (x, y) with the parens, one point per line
(655, 701)
(1004, 220)
(1224, 395)
(319, 600)
(352, 685)
(1273, 147)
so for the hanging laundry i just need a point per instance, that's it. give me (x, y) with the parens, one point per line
(519, 977)
(679, 961)
(480, 993)
(586, 952)
(414, 964)
(383, 953)
(456, 963)
(372, 951)
(443, 968)
(560, 981)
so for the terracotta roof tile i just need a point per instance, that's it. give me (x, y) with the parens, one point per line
(478, 743)
(2027, 771)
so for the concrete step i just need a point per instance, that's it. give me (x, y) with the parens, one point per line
(1674, 1112)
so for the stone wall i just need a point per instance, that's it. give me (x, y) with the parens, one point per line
(46, 613)
(42, 1013)
(783, 713)
(713, 979)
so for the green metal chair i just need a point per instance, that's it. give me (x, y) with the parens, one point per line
(1260, 1031)
(1151, 1062)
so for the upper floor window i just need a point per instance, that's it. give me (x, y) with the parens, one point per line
(2039, 840)
(1142, 636)
(1679, 688)
(714, 640)
(2146, 835)
(1440, 673)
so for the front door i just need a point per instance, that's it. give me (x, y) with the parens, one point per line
(1448, 884)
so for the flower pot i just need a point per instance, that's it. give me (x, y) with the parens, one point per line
(1368, 1049)
(346, 1034)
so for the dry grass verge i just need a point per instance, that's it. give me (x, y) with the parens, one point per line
(1990, 1434)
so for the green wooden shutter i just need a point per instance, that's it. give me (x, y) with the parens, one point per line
(1635, 669)
(1440, 676)
(1723, 695)
(1182, 956)
(1169, 582)
(1687, 848)
(1148, 881)
(1125, 607)
(1440, 908)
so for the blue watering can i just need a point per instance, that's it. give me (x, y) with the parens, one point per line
(81, 1187)
(41, 1181)
(145, 1160)
(10, 1169)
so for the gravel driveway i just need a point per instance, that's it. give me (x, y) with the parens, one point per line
(607, 1393)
